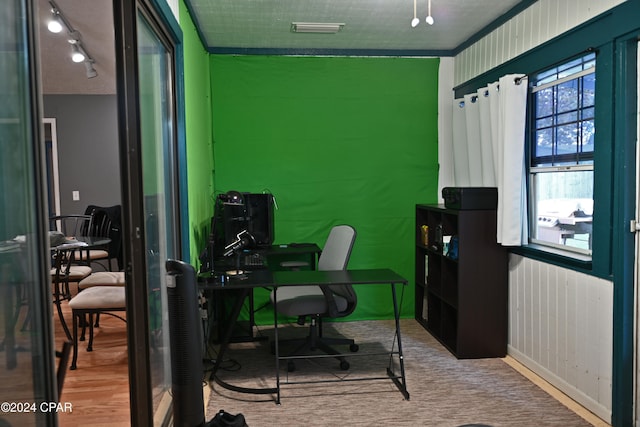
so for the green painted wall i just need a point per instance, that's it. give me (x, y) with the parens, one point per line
(336, 140)
(198, 135)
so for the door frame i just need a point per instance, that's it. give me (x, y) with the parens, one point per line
(54, 186)
(133, 219)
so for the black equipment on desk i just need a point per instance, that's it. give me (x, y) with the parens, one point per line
(235, 212)
(185, 337)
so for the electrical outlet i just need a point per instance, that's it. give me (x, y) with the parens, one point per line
(76, 195)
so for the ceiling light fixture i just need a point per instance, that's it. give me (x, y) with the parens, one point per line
(79, 53)
(316, 27)
(429, 19)
(91, 72)
(415, 21)
(54, 25)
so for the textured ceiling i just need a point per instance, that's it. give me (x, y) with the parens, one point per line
(94, 20)
(372, 27)
(228, 25)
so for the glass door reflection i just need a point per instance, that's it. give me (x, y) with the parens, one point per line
(158, 178)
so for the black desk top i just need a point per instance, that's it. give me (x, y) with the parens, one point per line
(266, 278)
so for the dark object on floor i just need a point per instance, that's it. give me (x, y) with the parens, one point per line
(225, 419)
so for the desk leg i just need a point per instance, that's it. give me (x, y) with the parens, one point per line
(224, 344)
(402, 386)
(277, 342)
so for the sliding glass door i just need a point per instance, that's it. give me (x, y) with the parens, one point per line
(149, 144)
(26, 338)
(158, 168)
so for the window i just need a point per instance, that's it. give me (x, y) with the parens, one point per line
(561, 146)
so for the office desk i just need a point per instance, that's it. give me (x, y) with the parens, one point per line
(276, 279)
(266, 257)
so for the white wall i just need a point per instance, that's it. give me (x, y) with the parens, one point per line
(561, 327)
(540, 22)
(561, 321)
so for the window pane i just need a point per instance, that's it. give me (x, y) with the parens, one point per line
(544, 102)
(567, 139)
(589, 90)
(588, 134)
(563, 208)
(567, 97)
(569, 117)
(544, 143)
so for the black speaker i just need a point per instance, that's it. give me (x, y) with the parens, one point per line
(186, 345)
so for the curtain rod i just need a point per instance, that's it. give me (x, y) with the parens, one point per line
(589, 49)
(474, 98)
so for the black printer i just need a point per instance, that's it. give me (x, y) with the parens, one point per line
(469, 198)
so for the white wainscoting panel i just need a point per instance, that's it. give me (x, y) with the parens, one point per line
(561, 327)
(540, 22)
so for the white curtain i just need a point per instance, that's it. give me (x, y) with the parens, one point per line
(488, 150)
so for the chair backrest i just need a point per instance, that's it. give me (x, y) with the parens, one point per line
(70, 225)
(106, 222)
(335, 256)
(337, 249)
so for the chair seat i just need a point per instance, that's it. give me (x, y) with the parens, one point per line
(305, 300)
(91, 254)
(99, 297)
(94, 300)
(103, 278)
(76, 272)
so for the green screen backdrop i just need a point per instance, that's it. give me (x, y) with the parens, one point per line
(199, 148)
(336, 140)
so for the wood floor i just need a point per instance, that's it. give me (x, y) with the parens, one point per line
(98, 389)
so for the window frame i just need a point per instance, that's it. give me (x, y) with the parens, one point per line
(550, 77)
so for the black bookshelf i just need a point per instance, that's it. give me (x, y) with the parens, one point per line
(462, 300)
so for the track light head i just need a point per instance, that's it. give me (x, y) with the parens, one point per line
(429, 19)
(77, 55)
(54, 25)
(91, 72)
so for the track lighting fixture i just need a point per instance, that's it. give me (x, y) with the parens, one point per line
(415, 21)
(91, 72)
(76, 54)
(429, 19)
(79, 54)
(54, 25)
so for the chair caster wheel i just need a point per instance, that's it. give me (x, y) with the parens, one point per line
(354, 348)
(344, 365)
(291, 367)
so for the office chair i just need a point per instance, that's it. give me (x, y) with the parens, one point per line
(318, 302)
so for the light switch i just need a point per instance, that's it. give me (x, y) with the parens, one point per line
(76, 195)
